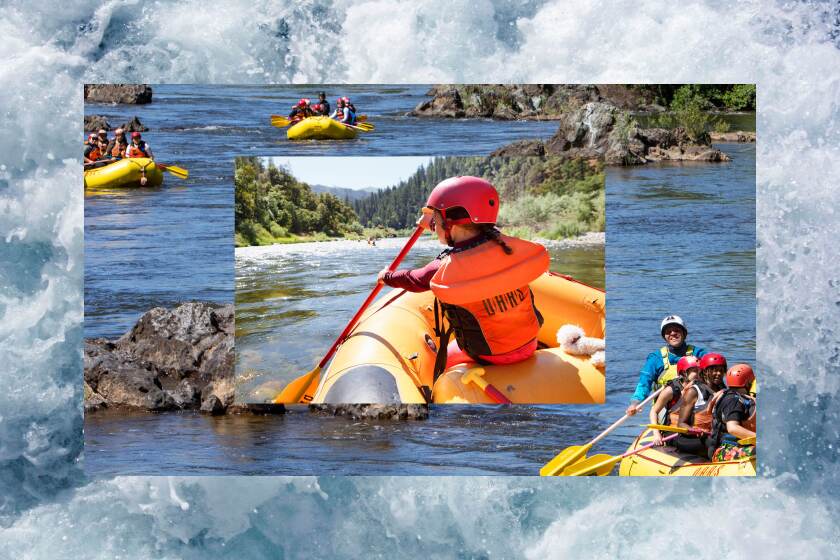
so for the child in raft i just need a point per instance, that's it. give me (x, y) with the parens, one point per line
(697, 402)
(665, 409)
(733, 417)
(481, 282)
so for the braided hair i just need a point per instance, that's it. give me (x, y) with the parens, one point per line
(491, 231)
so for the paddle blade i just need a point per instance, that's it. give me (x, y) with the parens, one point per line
(597, 465)
(664, 428)
(294, 391)
(564, 459)
(279, 121)
(365, 126)
(179, 172)
(747, 441)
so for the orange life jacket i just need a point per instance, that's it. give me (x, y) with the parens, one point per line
(485, 295)
(94, 154)
(118, 150)
(137, 151)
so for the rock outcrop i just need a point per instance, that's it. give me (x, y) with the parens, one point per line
(128, 94)
(97, 122)
(736, 136)
(171, 359)
(601, 131)
(527, 101)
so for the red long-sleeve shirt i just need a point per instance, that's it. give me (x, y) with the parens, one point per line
(416, 280)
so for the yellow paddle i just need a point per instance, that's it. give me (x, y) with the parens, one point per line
(576, 452)
(296, 391)
(677, 429)
(747, 441)
(179, 172)
(602, 465)
(280, 121)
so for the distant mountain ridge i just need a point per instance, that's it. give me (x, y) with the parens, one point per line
(344, 193)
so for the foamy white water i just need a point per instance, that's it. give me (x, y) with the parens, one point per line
(789, 49)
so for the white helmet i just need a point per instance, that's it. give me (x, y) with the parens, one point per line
(672, 320)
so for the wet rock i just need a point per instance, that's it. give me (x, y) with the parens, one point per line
(736, 136)
(602, 132)
(218, 393)
(179, 358)
(444, 104)
(134, 125)
(528, 101)
(93, 400)
(131, 94)
(521, 148)
(374, 411)
(94, 123)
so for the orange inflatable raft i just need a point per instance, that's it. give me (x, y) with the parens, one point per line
(390, 355)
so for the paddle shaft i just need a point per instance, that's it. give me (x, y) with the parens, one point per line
(624, 418)
(379, 285)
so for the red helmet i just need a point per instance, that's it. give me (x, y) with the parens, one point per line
(303, 103)
(712, 359)
(346, 99)
(739, 375)
(478, 197)
(135, 134)
(687, 362)
(317, 107)
(339, 101)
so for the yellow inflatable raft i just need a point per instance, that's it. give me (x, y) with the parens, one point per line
(124, 173)
(390, 355)
(320, 128)
(667, 461)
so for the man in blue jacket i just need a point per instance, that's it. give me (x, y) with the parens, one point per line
(661, 366)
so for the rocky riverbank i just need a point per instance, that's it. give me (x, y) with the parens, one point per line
(527, 101)
(183, 359)
(172, 359)
(602, 131)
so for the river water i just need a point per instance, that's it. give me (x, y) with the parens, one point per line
(161, 246)
(680, 238)
(292, 301)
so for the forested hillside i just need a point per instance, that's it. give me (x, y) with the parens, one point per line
(271, 206)
(539, 196)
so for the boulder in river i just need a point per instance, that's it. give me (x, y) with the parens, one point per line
(179, 358)
(97, 122)
(601, 131)
(129, 94)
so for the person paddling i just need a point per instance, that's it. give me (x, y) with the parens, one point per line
(733, 417)
(480, 282)
(696, 407)
(661, 367)
(93, 153)
(665, 409)
(301, 111)
(138, 147)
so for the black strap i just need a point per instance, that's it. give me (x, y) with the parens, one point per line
(443, 342)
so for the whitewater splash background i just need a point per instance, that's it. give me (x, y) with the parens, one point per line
(47, 507)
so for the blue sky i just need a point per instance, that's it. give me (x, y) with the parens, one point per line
(351, 172)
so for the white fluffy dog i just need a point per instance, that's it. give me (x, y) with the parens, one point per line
(573, 340)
